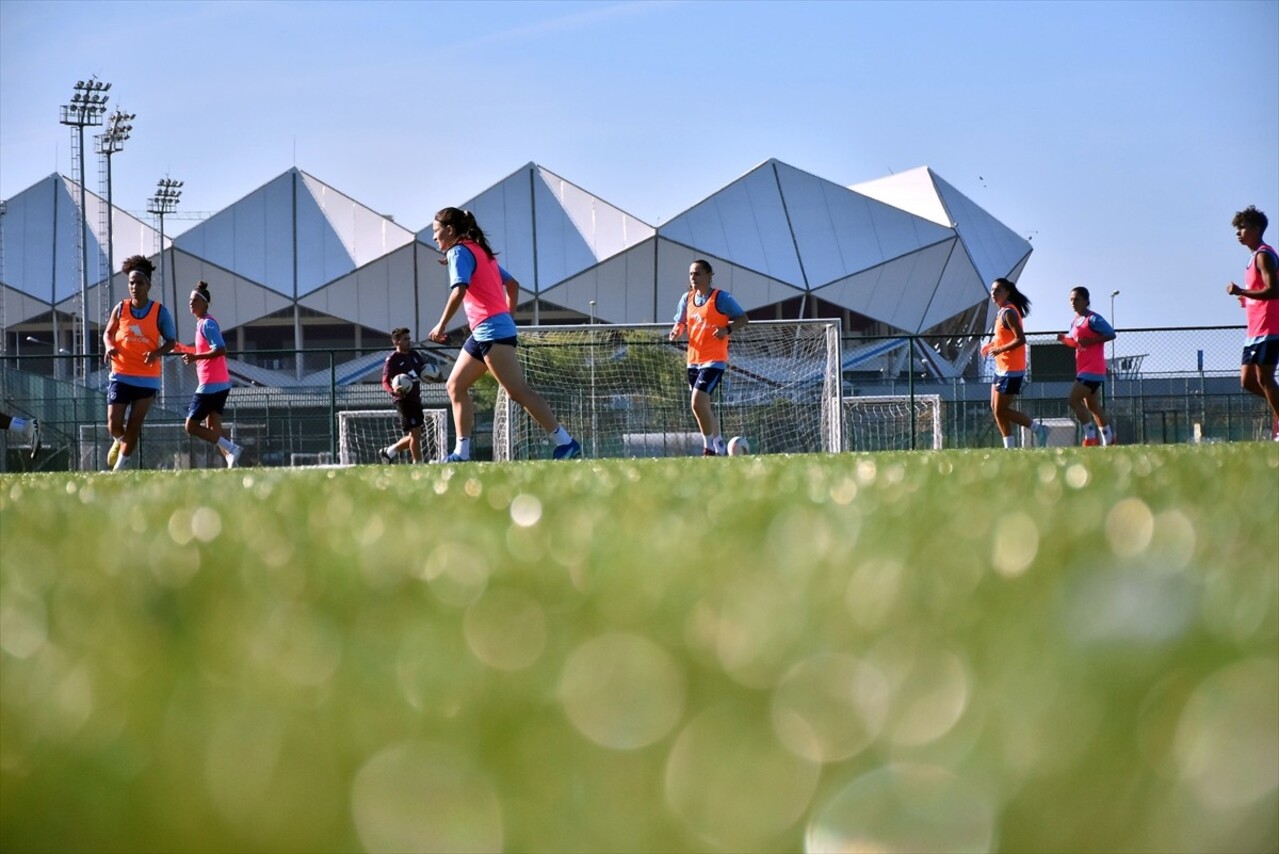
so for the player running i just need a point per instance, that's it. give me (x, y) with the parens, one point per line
(1009, 350)
(204, 416)
(709, 315)
(138, 334)
(488, 294)
(1260, 298)
(1088, 335)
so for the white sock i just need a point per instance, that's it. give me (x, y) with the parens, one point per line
(1090, 431)
(1008, 442)
(225, 444)
(1107, 435)
(561, 436)
(708, 442)
(121, 463)
(392, 452)
(463, 448)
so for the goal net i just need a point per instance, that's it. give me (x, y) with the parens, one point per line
(622, 390)
(362, 433)
(160, 446)
(892, 422)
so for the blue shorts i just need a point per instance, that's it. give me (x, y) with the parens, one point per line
(1091, 385)
(1265, 352)
(203, 405)
(704, 379)
(1008, 385)
(480, 349)
(120, 393)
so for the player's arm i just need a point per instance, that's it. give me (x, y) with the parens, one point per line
(108, 334)
(386, 377)
(736, 316)
(1068, 340)
(512, 288)
(454, 302)
(169, 332)
(1268, 272)
(681, 317)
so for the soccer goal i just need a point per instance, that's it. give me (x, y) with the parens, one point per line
(893, 422)
(622, 390)
(362, 433)
(160, 446)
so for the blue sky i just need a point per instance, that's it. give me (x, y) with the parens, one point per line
(1121, 137)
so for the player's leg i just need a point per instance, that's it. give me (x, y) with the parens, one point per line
(1082, 408)
(1265, 375)
(467, 370)
(138, 410)
(1092, 401)
(704, 383)
(415, 443)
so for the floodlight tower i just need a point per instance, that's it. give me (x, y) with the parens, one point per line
(88, 104)
(165, 201)
(111, 141)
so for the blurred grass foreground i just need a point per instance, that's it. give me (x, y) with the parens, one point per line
(1072, 649)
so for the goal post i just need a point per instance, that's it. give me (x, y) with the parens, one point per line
(893, 422)
(622, 390)
(362, 433)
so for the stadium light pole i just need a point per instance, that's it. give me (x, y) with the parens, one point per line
(165, 201)
(88, 104)
(111, 141)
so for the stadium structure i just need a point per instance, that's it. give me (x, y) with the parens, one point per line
(296, 264)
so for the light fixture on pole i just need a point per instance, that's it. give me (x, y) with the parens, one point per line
(165, 201)
(88, 105)
(109, 142)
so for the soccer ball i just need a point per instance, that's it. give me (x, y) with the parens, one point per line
(737, 446)
(402, 383)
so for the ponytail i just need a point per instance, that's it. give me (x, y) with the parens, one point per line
(465, 226)
(1016, 297)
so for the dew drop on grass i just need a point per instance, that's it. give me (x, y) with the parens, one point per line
(1227, 744)
(733, 784)
(829, 707)
(1129, 527)
(423, 796)
(505, 629)
(904, 807)
(1016, 544)
(526, 510)
(622, 691)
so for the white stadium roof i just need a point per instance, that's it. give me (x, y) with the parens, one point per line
(907, 251)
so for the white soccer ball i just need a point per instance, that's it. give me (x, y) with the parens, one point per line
(403, 383)
(737, 446)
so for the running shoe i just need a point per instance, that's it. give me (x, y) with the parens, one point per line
(233, 456)
(113, 454)
(571, 451)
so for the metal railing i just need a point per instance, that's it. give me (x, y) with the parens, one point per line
(1166, 386)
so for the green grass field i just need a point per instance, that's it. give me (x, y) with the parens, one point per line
(964, 650)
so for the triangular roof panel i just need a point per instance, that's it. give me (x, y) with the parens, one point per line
(745, 222)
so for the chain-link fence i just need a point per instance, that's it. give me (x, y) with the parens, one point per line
(1165, 386)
